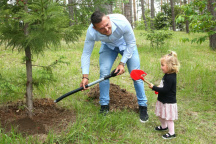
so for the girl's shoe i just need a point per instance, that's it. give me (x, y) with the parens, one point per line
(168, 136)
(159, 128)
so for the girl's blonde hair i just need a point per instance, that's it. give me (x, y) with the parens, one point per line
(171, 62)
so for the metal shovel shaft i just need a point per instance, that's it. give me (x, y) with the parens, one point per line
(112, 74)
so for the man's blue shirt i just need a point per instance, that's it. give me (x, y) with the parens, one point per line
(122, 36)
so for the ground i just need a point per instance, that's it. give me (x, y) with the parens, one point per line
(49, 116)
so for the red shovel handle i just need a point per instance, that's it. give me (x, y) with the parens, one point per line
(139, 74)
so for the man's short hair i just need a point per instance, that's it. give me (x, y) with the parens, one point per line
(96, 17)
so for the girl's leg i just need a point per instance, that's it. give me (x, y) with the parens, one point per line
(163, 123)
(170, 124)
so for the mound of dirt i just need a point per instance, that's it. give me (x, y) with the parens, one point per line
(119, 98)
(47, 116)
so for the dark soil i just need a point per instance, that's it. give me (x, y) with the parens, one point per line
(49, 116)
(119, 98)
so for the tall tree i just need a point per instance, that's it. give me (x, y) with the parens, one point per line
(186, 20)
(212, 38)
(173, 15)
(32, 26)
(161, 4)
(131, 12)
(143, 14)
(152, 14)
(71, 4)
(134, 10)
(127, 11)
(28, 54)
(204, 22)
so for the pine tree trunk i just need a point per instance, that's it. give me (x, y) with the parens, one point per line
(161, 4)
(186, 20)
(29, 86)
(212, 38)
(71, 11)
(143, 14)
(108, 7)
(173, 15)
(131, 12)
(127, 11)
(134, 10)
(152, 14)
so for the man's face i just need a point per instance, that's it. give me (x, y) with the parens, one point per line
(104, 27)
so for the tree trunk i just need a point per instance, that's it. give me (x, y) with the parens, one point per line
(71, 11)
(131, 12)
(161, 4)
(134, 10)
(152, 14)
(173, 15)
(127, 11)
(143, 14)
(29, 88)
(186, 20)
(108, 7)
(212, 38)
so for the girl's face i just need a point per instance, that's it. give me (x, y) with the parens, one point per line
(164, 67)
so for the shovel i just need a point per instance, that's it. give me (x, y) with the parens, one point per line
(139, 74)
(112, 74)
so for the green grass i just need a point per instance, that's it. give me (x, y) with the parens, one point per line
(196, 96)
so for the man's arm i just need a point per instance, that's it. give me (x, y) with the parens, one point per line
(85, 59)
(130, 40)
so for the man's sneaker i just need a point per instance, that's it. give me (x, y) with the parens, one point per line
(143, 114)
(168, 136)
(104, 109)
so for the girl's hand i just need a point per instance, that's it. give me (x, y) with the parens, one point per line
(151, 86)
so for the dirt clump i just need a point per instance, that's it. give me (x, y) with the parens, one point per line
(119, 98)
(47, 116)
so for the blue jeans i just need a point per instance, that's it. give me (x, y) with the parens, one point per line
(106, 60)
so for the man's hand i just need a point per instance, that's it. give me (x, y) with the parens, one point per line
(120, 68)
(84, 81)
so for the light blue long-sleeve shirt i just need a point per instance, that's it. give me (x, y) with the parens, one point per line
(122, 36)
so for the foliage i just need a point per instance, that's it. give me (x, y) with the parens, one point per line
(43, 77)
(82, 10)
(140, 25)
(157, 38)
(201, 20)
(163, 19)
(48, 24)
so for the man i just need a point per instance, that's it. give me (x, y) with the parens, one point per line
(116, 36)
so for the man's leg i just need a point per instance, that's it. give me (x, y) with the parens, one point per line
(134, 63)
(106, 60)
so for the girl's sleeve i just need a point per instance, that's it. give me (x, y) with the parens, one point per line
(168, 81)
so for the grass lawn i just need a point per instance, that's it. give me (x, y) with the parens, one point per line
(196, 96)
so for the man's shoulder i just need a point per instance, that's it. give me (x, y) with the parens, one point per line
(117, 17)
(91, 32)
(120, 20)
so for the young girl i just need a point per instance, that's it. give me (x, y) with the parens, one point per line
(166, 106)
